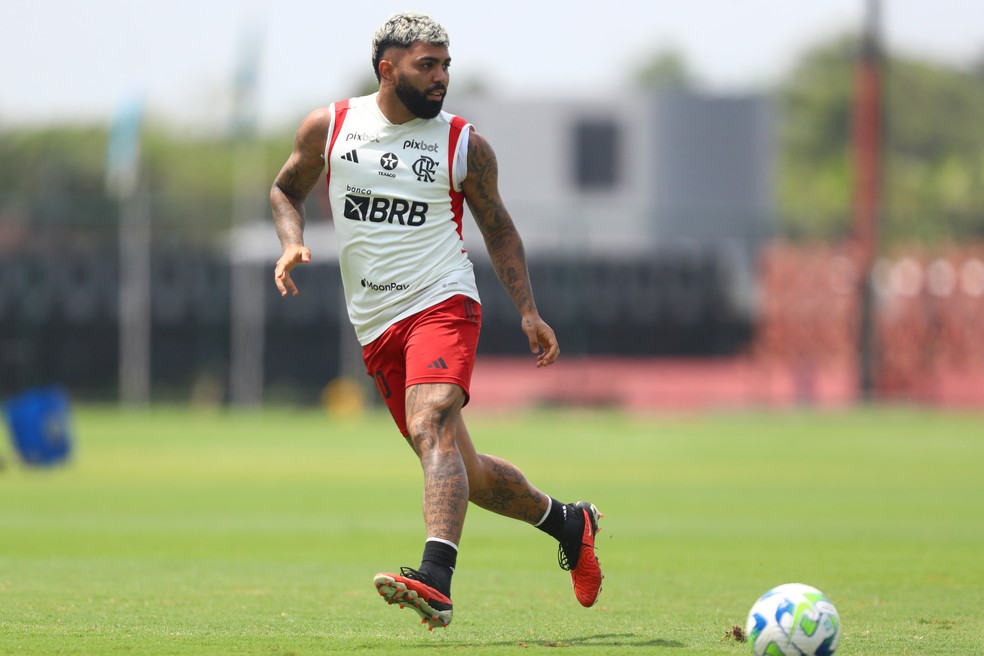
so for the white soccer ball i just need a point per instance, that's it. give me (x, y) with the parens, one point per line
(793, 620)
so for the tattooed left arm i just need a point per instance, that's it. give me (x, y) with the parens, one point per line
(505, 247)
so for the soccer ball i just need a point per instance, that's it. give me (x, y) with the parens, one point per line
(793, 620)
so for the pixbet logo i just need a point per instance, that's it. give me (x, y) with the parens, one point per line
(384, 210)
(362, 136)
(420, 145)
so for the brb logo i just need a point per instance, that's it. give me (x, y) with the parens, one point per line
(385, 210)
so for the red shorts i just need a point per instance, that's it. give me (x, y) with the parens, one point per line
(436, 345)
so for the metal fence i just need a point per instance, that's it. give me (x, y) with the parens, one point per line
(60, 314)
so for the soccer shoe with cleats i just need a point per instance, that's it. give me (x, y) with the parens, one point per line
(410, 588)
(578, 555)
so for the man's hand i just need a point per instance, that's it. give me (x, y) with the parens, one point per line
(543, 341)
(293, 255)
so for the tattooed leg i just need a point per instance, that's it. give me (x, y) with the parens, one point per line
(433, 411)
(497, 485)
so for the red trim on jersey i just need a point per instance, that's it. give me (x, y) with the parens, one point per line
(341, 109)
(457, 198)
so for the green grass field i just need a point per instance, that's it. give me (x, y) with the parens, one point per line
(181, 532)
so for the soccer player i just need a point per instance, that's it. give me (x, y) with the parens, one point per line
(399, 171)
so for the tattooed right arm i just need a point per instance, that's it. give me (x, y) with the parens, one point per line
(294, 182)
(298, 176)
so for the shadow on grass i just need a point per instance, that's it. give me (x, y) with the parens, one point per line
(600, 640)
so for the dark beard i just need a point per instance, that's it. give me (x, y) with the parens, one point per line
(417, 102)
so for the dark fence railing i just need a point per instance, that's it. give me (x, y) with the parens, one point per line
(59, 317)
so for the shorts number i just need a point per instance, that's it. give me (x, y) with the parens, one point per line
(384, 389)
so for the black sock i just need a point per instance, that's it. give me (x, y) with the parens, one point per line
(438, 563)
(557, 522)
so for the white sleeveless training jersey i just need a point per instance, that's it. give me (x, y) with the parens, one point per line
(397, 203)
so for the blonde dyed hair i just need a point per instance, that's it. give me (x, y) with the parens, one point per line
(402, 31)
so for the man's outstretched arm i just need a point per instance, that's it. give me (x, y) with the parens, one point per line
(293, 184)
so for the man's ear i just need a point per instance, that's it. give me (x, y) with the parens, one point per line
(387, 70)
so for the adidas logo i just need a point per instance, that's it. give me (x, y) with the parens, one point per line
(438, 364)
(351, 156)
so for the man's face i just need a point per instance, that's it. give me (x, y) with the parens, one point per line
(422, 79)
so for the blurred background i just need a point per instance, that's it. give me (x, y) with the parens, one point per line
(724, 203)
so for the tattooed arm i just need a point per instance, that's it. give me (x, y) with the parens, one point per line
(481, 188)
(294, 182)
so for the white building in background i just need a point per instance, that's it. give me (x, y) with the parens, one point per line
(633, 176)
